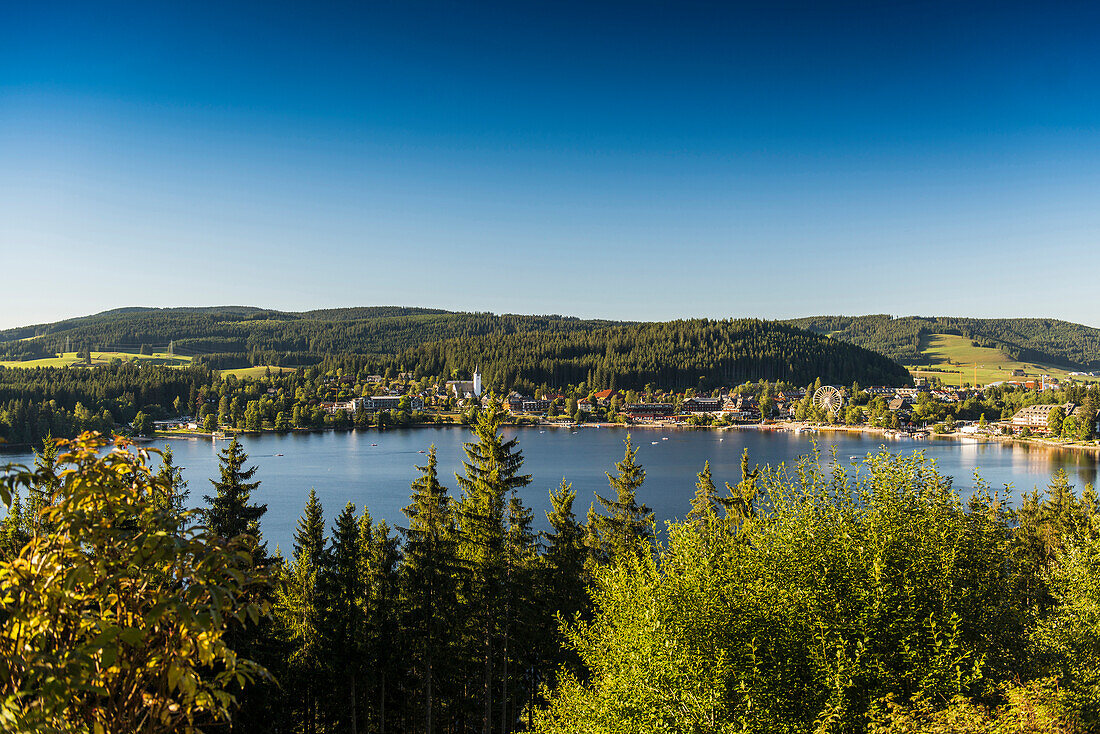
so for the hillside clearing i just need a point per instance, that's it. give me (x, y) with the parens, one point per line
(69, 359)
(957, 361)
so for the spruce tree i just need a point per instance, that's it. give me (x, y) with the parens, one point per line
(492, 471)
(740, 503)
(230, 511)
(707, 502)
(42, 493)
(172, 494)
(300, 611)
(625, 527)
(519, 631)
(429, 584)
(384, 649)
(563, 577)
(345, 597)
(309, 535)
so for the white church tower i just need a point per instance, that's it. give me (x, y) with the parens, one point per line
(477, 382)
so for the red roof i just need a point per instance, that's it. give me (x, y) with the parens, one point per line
(603, 394)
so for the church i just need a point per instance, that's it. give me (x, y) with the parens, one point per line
(462, 388)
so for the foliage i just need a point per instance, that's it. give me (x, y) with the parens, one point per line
(117, 619)
(835, 593)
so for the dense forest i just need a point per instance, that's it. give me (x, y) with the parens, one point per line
(238, 336)
(811, 598)
(41, 401)
(1029, 340)
(697, 353)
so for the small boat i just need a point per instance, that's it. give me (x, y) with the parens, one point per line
(420, 452)
(654, 442)
(278, 454)
(664, 438)
(854, 458)
(374, 444)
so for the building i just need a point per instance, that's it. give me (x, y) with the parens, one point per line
(649, 410)
(702, 405)
(462, 388)
(391, 402)
(1035, 416)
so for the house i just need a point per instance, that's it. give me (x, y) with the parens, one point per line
(898, 404)
(603, 395)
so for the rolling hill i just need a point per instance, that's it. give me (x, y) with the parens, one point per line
(908, 340)
(514, 350)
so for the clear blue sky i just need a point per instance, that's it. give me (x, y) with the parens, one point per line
(637, 160)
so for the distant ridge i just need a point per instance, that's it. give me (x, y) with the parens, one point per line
(515, 350)
(1074, 346)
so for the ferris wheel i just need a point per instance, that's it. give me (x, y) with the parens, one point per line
(829, 399)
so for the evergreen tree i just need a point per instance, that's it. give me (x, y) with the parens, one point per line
(345, 594)
(741, 503)
(309, 535)
(385, 647)
(300, 610)
(519, 631)
(707, 502)
(171, 486)
(561, 587)
(42, 493)
(15, 532)
(625, 527)
(230, 511)
(492, 471)
(429, 585)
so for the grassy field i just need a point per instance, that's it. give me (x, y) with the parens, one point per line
(963, 363)
(259, 371)
(69, 359)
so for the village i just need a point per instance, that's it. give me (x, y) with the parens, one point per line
(921, 408)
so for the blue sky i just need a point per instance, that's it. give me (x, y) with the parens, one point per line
(635, 160)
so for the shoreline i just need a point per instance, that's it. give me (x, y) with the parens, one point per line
(786, 426)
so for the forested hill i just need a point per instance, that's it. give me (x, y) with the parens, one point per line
(514, 351)
(243, 333)
(1036, 340)
(697, 353)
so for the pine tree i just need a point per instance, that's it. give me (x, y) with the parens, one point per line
(300, 611)
(41, 495)
(707, 502)
(384, 650)
(345, 596)
(309, 535)
(230, 512)
(15, 532)
(563, 579)
(741, 501)
(519, 633)
(429, 583)
(172, 495)
(492, 471)
(625, 527)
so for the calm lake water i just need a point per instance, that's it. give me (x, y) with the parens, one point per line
(349, 467)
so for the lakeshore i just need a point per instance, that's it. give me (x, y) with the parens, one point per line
(1092, 447)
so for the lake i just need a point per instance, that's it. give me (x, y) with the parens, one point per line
(374, 469)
